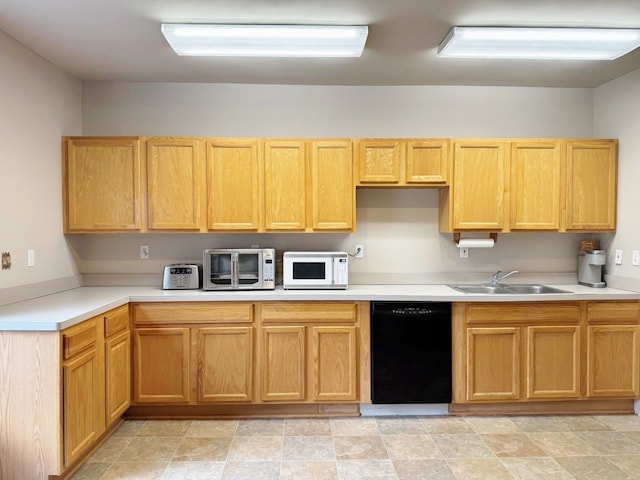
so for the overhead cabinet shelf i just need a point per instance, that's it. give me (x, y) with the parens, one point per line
(252, 185)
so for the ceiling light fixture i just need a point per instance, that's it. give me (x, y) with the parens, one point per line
(539, 43)
(266, 40)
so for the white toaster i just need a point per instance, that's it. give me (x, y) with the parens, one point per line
(182, 276)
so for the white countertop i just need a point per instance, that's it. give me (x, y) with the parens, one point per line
(64, 309)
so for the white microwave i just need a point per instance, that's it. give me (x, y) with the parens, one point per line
(315, 270)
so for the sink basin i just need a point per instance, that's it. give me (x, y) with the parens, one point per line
(534, 289)
(508, 289)
(486, 289)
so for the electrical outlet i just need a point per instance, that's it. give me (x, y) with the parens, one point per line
(31, 258)
(359, 251)
(144, 252)
(635, 258)
(464, 252)
(618, 258)
(6, 261)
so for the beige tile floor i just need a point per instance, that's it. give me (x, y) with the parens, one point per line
(404, 448)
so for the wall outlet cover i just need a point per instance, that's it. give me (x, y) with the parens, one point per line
(618, 257)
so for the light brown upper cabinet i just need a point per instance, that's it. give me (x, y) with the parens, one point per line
(332, 191)
(403, 162)
(476, 199)
(234, 184)
(175, 184)
(591, 185)
(285, 185)
(535, 184)
(101, 184)
(506, 185)
(308, 185)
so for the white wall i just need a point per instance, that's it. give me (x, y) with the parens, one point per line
(617, 114)
(39, 104)
(398, 227)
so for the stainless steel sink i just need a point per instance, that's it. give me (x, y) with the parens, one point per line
(520, 289)
(486, 289)
(535, 289)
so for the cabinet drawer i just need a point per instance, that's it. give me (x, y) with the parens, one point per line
(298, 312)
(530, 313)
(607, 312)
(192, 312)
(79, 338)
(116, 320)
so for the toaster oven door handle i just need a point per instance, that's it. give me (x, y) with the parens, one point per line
(234, 270)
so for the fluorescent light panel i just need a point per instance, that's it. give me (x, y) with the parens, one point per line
(266, 40)
(539, 43)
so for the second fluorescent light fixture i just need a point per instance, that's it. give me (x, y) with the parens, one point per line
(266, 40)
(539, 43)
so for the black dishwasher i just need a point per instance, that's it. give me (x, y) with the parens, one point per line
(410, 352)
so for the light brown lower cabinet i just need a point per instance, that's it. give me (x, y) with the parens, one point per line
(335, 363)
(553, 362)
(493, 363)
(613, 345)
(613, 361)
(235, 352)
(96, 377)
(309, 351)
(546, 351)
(83, 396)
(161, 365)
(225, 364)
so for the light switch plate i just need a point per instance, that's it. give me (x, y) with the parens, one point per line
(635, 258)
(618, 259)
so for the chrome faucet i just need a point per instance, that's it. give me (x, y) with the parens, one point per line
(496, 278)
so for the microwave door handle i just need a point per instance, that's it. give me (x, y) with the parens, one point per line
(334, 277)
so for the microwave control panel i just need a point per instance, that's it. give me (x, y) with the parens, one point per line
(342, 271)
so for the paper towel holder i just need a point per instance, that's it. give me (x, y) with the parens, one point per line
(456, 237)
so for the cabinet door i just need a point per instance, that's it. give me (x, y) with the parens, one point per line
(117, 375)
(428, 161)
(380, 161)
(535, 185)
(83, 405)
(283, 363)
(174, 177)
(480, 174)
(613, 361)
(334, 364)
(285, 177)
(101, 178)
(553, 362)
(493, 363)
(233, 183)
(332, 188)
(591, 185)
(161, 365)
(225, 364)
